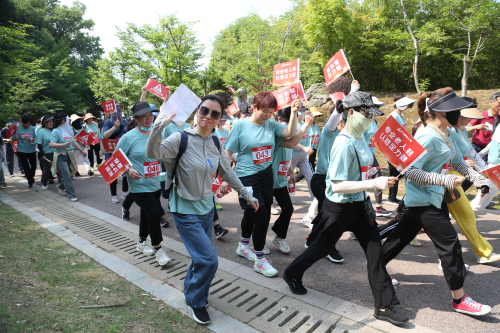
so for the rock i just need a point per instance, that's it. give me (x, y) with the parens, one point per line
(316, 95)
(318, 100)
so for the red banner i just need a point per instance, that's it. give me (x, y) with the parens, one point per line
(109, 106)
(10, 132)
(216, 183)
(287, 94)
(493, 174)
(337, 96)
(114, 166)
(335, 67)
(109, 144)
(232, 109)
(14, 146)
(397, 145)
(286, 73)
(157, 88)
(87, 139)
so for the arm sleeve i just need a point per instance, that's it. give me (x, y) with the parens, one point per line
(471, 174)
(334, 120)
(380, 183)
(154, 147)
(232, 142)
(425, 178)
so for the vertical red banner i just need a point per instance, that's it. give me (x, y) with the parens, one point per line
(109, 106)
(335, 67)
(286, 73)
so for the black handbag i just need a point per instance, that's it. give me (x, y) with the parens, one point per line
(367, 204)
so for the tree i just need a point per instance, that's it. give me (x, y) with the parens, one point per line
(415, 45)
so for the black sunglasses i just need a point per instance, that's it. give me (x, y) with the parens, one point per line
(214, 114)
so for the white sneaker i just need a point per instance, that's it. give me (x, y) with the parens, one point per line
(281, 244)
(124, 194)
(45, 187)
(162, 257)
(266, 250)
(61, 192)
(451, 217)
(115, 199)
(74, 199)
(144, 248)
(265, 268)
(394, 282)
(440, 267)
(352, 235)
(491, 258)
(275, 211)
(415, 242)
(307, 222)
(246, 253)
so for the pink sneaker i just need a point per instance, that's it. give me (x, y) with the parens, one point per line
(469, 306)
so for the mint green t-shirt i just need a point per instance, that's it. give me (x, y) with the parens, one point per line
(438, 155)
(281, 161)
(314, 135)
(43, 139)
(254, 145)
(494, 154)
(184, 206)
(343, 166)
(325, 148)
(222, 135)
(400, 118)
(37, 128)
(369, 133)
(305, 138)
(172, 128)
(133, 144)
(91, 128)
(24, 137)
(56, 136)
(461, 137)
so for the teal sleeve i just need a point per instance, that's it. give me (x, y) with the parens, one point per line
(279, 128)
(428, 145)
(123, 144)
(340, 162)
(232, 142)
(494, 154)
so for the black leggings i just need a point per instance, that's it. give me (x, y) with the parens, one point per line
(112, 186)
(254, 224)
(393, 191)
(281, 225)
(151, 213)
(312, 159)
(46, 168)
(94, 149)
(29, 165)
(127, 203)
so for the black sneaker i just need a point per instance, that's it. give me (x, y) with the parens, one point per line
(295, 286)
(51, 181)
(394, 202)
(335, 256)
(164, 223)
(381, 212)
(90, 173)
(77, 174)
(391, 315)
(125, 215)
(30, 185)
(200, 315)
(220, 231)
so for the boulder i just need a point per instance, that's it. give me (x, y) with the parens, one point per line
(318, 100)
(316, 95)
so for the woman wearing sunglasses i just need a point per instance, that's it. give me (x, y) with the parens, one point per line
(343, 208)
(254, 139)
(191, 197)
(429, 182)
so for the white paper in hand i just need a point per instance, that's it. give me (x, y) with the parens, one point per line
(489, 127)
(182, 102)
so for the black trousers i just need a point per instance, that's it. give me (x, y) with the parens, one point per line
(281, 224)
(10, 155)
(216, 216)
(393, 191)
(46, 167)
(112, 186)
(378, 193)
(334, 220)
(40, 156)
(127, 203)
(312, 159)
(94, 149)
(151, 213)
(442, 233)
(254, 224)
(28, 161)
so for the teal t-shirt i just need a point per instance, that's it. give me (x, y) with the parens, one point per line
(494, 154)
(305, 138)
(461, 137)
(37, 128)
(436, 160)
(43, 138)
(400, 118)
(56, 136)
(133, 144)
(369, 133)
(325, 148)
(254, 145)
(183, 206)
(222, 135)
(314, 135)
(281, 161)
(91, 128)
(24, 137)
(172, 128)
(343, 166)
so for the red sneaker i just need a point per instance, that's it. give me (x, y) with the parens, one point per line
(470, 307)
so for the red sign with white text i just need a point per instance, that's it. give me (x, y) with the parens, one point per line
(335, 67)
(232, 109)
(87, 139)
(286, 73)
(397, 145)
(109, 144)
(10, 132)
(493, 174)
(216, 183)
(109, 106)
(114, 166)
(157, 88)
(287, 94)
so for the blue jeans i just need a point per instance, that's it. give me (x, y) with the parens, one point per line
(2, 177)
(63, 162)
(196, 231)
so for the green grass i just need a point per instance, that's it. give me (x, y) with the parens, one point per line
(44, 280)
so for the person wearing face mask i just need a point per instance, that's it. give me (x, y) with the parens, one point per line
(191, 196)
(254, 139)
(26, 148)
(90, 126)
(343, 208)
(76, 123)
(428, 182)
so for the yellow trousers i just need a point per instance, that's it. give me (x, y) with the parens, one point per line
(466, 220)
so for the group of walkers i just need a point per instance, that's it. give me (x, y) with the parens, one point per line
(256, 151)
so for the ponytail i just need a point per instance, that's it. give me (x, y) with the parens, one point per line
(421, 106)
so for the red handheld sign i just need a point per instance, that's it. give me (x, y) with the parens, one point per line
(286, 95)
(286, 73)
(232, 109)
(10, 132)
(110, 144)
(114, 166)
(493, 174)
(109, 106)
(157, 88)
(335, 67)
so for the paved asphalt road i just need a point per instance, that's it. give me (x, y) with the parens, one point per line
(422, 290)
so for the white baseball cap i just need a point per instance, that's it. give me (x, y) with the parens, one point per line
(403, 103)
(378, 102)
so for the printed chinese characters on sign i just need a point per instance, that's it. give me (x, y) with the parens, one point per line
(232, 109)
(110, 144)
(114, 166)
(286, 73)
(397, 145)
(287, 94)
(335, 67)
(108, 106)
(87, 139)
(493, 174)
(157, 88)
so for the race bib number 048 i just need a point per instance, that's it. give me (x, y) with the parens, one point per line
(151, 169)
(261, 154)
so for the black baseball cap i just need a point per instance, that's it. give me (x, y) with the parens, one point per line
(141, 108)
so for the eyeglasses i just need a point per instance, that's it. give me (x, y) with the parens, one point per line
(214, 114)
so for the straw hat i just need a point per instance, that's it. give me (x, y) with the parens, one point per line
(315, 111)
(472, 113)
(74, 117)
(88, 116)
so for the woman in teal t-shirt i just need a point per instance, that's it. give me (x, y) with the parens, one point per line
(428, 181)
(26, 148)
(90, 126)
(43, 140)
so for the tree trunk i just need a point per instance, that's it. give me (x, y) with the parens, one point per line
(205, 82)
(415, 46)
(465, 77)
